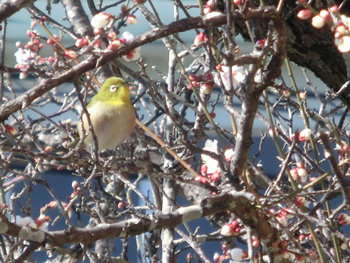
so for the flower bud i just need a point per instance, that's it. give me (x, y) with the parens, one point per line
(81, 42)
(100, 20)
(207, 9)
(318, 21)
(305, 135)
(131, 19)
(70, 54)
(112, 35)
(302, 95)
(50, 41)
(207, 88)
(199, 39)
(326, 15)
(304, 14)
(115, 44)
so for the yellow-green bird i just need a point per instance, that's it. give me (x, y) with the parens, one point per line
(111, 113)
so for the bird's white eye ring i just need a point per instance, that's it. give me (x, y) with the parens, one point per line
(113, 88)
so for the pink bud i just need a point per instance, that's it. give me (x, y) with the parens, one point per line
(201, 179)
(229, 154)
(216, 175)
(199, 39)
(131, 19)
(81, 42)
(326, 15)
(302, 172)
(207, 9)
(334, 9)
(70, 54)
(52, 205)
(294, 174)
(260, 43)
(227, 230)
(341, 29)
(75, 185)
(207, 88)
(10, 129)
(112, 35)
(304, 14)
(124, 9)
(302, 95)
(300, 201)
(115, 44)
(192, 77)
(300, 258)
(204, 169)
(98, 31)
(285, 253)
(50, 41)
(286, 93)
(48, 149)
(216, 257)
(238, 2)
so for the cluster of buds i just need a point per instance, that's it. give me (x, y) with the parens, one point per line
(210, 169)
(210, 177)
(234, 254)
(205, 82)
(27, 54)
(339, 24)
(299, 172)
(68, 53)
(304, 237)
(102, 23)
(232, 229)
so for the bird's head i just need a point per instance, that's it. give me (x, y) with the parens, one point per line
(115, 89)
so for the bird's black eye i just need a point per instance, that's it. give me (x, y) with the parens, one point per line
(113, 88)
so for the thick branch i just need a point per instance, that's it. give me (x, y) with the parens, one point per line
(9, 7)
(240, 203)
(251, 99)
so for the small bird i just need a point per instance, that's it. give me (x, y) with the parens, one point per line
(111, 113)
